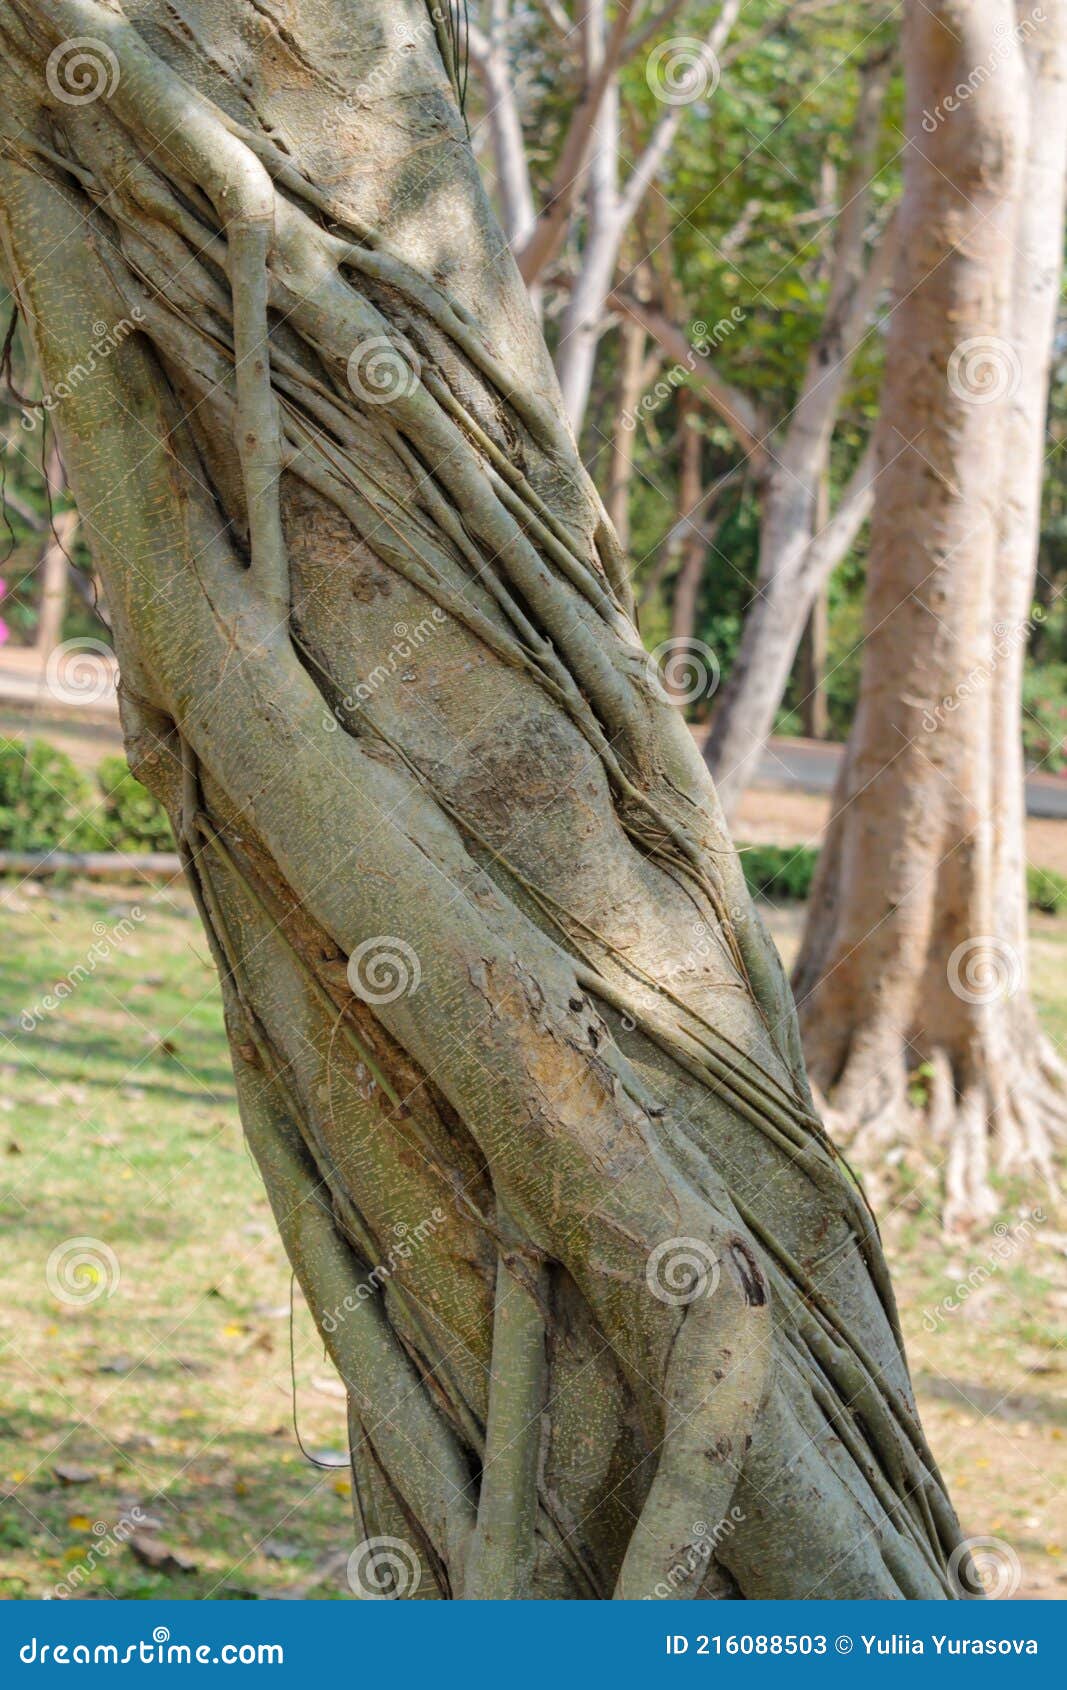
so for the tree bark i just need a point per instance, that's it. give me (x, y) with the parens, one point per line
(913, 967)
(55, 565)
(624, 431)
(513, 1053)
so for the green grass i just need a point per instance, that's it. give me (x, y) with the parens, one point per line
(174, 1391)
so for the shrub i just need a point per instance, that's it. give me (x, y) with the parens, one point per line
(131, 819)
(1045, 716)
(1045, 889)
(786, 871)
(45, 802)
(778, 871)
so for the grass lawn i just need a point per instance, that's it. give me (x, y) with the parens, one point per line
(166, 1388)
(150, 1389)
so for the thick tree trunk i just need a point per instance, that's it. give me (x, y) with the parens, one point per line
(914, 961)
(544, 1161)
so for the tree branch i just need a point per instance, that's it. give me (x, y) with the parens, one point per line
(734, 407)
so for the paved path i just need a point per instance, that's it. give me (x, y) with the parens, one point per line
(811, 765)
(87, 690)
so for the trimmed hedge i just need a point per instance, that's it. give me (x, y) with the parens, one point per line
(786, 871)
(48, 804)
(779, 871)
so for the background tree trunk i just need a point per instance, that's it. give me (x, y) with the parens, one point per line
(513, 1053)
(914, 960)
(55, 565)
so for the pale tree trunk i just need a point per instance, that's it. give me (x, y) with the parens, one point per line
(797, 553)
(55, 565)
(914, 959)
(609, 208)
(624, 430)
(513, 1053)
(679, 671)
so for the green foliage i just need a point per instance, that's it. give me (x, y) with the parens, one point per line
(778, 871)
(132, 819)
(47, 804)
(44, 800)
(1045, 889)
(786, 872)
(1045, 716)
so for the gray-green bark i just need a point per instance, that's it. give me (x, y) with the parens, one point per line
(514, 1055)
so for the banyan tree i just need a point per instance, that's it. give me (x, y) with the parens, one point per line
(513, 1051)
